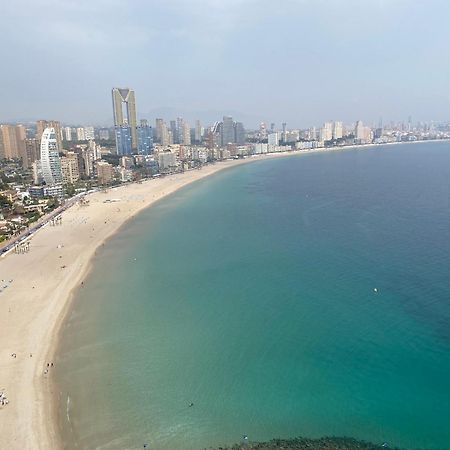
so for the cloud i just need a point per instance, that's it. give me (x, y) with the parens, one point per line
(291, 58)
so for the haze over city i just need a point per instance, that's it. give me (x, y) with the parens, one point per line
(225, 225)
(301, 62)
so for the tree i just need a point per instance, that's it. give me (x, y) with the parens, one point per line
(4, 202)
(52, 203)
(70, 190)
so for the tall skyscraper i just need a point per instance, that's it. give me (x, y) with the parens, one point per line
(185, 134)
(178, 138)
(50, 161)
(337, 130)
(81, 135)
(121, 97)
(67, 133)
(89, 133)
(162, 134)
(145, 138)
(359, 131)
(272, 139)
(123, 140)
(227, 133)
(263, 130)
(284, 132)
(174, 131)
(12, 141)
(159, 125)
(165, 136)
(326, 132)
(41, 125)
(239, 133)
(198, 131)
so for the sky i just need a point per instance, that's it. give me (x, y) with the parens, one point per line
(297, 61)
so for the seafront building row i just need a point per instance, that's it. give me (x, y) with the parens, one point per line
(45, 163)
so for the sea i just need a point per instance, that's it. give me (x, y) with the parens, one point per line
(307, 295)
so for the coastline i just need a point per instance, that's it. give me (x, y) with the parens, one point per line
(40, 286)
(34, 305)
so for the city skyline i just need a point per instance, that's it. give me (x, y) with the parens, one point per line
(300, 62)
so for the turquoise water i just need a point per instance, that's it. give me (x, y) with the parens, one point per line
(251, 294)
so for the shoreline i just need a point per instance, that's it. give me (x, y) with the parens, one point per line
(41, 286)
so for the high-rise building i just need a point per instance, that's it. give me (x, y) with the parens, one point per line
(31, 153)
(165, 135)
(198, 132)
(239, 133)
(363, 135)
(121, 97)
(21, 134)
(70, 170)
(67, 133)
(87, 166)
(263, 130)
(284, 132)
(95, 150)
(37, 172)
(81, 135)
(89, 133)
(103, 134)
(12, 141)
(312, 134)
(338, 130)
(184, 133)
(326, 132)
(145, 138)
(159, 125)
(166, 160)
(123, 140)
(104, 172)
(50, 161)
(227, 133)
(174, 131)
(359, 131)
(80, 153)
(272, 139)
(41, 125)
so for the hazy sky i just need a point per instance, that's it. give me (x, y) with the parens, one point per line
(299, 61)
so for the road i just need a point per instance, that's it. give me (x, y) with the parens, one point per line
(11, 243)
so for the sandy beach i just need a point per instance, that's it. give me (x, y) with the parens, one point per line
(36, 289)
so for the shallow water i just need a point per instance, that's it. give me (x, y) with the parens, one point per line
(251, 294)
